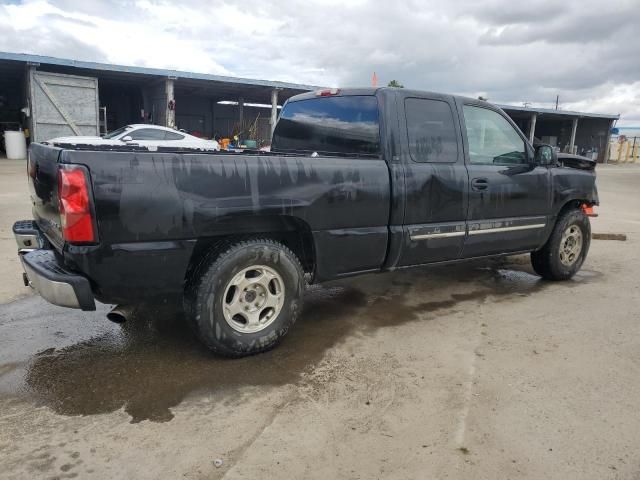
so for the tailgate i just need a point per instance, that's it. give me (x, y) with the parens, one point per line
(43, 186)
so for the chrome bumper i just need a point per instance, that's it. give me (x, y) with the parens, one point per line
(45, 274)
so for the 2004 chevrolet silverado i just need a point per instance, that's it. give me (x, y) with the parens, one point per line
(358, 180)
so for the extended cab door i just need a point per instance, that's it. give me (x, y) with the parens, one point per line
(509, 196)
(435, 179)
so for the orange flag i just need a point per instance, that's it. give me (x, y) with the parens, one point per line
(374, 80)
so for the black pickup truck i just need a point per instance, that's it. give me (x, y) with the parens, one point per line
(358, 180)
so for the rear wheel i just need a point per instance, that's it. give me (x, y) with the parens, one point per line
(564, 253)
(245, 300)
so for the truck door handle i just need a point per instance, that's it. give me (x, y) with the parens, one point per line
(480, 184)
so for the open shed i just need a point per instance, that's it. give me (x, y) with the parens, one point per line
(571, 132)
(53, 96)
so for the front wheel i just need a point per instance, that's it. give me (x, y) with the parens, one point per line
(247, 298)
(567, 247)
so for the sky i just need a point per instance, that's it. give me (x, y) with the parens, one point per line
(585, 51)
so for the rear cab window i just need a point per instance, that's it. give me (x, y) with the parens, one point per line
(339, 126)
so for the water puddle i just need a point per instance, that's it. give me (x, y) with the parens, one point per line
(152, 362)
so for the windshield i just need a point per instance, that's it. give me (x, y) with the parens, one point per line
(117, 132)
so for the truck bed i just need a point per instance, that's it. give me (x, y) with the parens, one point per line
(154, 209)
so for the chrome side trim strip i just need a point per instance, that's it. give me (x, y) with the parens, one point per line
(507, 229)
(427, 236)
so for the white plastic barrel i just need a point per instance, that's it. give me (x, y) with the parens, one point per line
(15, 145)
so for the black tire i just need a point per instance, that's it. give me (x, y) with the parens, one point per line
(205, 293)
(547, 261)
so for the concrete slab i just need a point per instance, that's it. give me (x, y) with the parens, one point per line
(468, 372)
(14, 205)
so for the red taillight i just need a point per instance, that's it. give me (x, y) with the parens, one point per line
(75, 209)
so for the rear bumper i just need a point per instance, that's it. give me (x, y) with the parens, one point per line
(55, 284)
(49, 278)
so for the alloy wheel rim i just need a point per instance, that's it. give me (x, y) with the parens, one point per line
(570, 245)
(253, 298)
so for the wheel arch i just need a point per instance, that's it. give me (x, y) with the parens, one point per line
(567, 205)
(573, 204)
(292, 232)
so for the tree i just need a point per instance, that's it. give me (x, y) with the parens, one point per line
(395, 83)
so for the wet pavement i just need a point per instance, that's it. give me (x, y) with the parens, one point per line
(465, 371)
(79, 363)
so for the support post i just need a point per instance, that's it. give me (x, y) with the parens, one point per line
(241, 113)
(607, 143)
(532, 127)
(31, 68)
(170, 116)
(619, 156)
(274, 109)
(572, 141)
(214, 132)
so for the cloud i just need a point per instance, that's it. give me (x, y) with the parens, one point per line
(511, 52)
(585, 27)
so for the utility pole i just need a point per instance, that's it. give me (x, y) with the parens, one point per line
(557, 99)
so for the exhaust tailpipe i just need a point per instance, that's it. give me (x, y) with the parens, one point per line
(117, 315)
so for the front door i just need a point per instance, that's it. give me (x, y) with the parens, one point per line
(435, 179)
(509, 196)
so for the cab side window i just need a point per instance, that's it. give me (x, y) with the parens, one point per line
(492, 139)
(430, 130)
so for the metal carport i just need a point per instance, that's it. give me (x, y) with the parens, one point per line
(150, 95)
(572, 132)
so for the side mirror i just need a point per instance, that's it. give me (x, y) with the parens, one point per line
(545, 155)
(127, 138)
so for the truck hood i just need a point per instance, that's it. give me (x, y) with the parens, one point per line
(576, 161)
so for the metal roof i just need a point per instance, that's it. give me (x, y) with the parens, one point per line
(253, 90)
(551, 111)
(25, 57)
(219, 86)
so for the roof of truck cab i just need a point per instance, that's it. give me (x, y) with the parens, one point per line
(342, 92)
(345, 92)
(510, 108)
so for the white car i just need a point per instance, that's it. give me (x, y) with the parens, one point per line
(151, 136)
